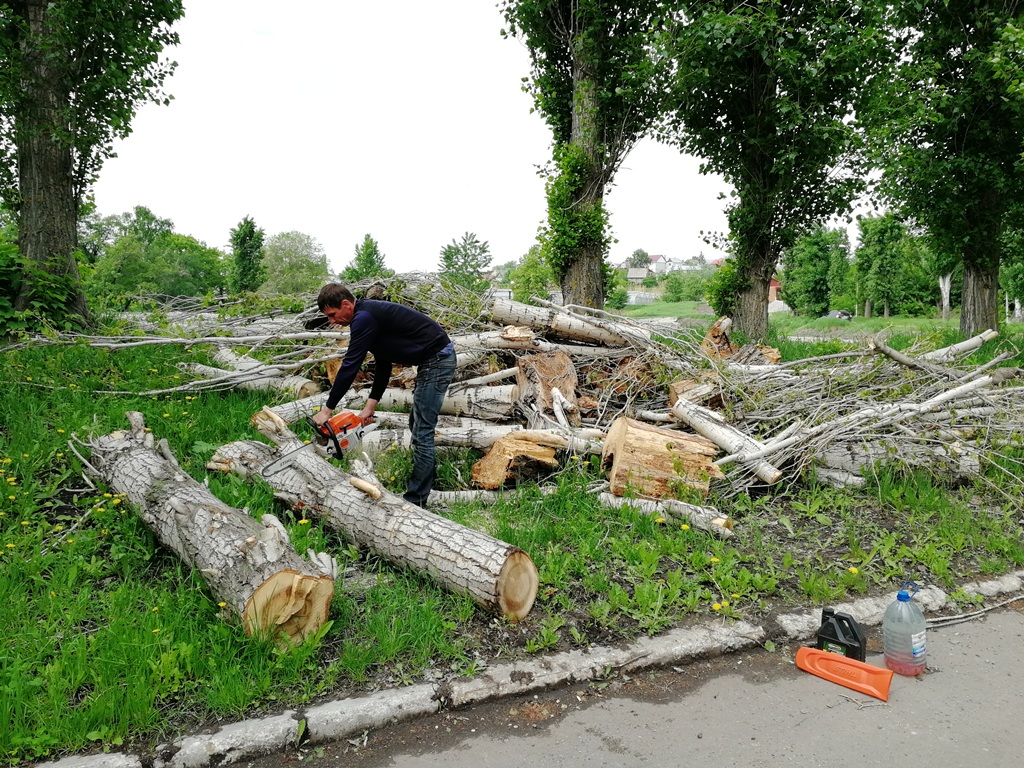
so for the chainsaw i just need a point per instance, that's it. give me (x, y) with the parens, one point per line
(333, 439)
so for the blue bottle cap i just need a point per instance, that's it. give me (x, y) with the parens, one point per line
(904, 595)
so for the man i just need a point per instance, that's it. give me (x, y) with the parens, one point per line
(394, 333)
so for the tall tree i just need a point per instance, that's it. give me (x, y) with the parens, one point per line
(463, 263)
(295, 263)
(531, 277)
(368, 262)
(947, 126)
(74, 74)
(596, 83)
(639, 258)
(172, 265)
(764, 94)
(878, 260)
(247, 272)
(810, 267)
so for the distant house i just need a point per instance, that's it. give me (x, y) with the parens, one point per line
(637, 274)
(659, 264)
(773, 290)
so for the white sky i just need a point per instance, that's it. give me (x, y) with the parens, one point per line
(404, 120)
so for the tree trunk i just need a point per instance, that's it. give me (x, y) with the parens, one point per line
(979, 310)
(48, 207)
(249, 565)
(751, 315)
(495, 574)
(945, 289)
(867, 309)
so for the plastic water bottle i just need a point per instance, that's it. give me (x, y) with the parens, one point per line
(903, 634)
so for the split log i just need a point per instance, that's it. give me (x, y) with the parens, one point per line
(247, 564)
(716, 343)
(707, 393)
(274, 377)
(516, 454)
(706, 518)
(653, 461)
(714, 427)
(538, 374)
(496, 575)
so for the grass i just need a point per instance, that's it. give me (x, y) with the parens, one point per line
(112, 641)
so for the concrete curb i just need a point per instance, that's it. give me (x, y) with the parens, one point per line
(350, 717)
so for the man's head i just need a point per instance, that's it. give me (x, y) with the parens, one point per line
(337, 303)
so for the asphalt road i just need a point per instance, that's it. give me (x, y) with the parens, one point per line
(748, 709)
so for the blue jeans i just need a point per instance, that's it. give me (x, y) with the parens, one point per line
(432, 380)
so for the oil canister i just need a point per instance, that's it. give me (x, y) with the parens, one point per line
(840, 633)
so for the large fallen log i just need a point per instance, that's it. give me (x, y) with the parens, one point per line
(497, 575)
(248, 565)
(560, 323)
(654, 461)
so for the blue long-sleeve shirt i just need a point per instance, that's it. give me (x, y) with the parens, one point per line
(394, 333)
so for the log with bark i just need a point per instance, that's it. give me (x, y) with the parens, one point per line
(247, 373)
(495, 574)
(246, 564)
(655, 462)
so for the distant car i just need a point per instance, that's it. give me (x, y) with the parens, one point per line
(839, 314)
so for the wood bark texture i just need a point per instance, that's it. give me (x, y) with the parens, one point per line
(495, 574)
(249, 565)
(652, 461)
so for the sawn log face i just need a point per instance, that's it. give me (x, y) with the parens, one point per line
(246, 564)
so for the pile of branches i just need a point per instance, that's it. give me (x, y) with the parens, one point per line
(835, 416)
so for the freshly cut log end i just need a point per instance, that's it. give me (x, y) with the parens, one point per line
(289, 603)
(517, 585)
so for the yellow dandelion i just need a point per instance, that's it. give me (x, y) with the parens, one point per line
(716, 606)
(166, 415)
(222, 604)
(116, 502)
(659, 520)
(107, 496)
(25, 522)
(853, 570)
(71, 541)
(24, 455)
(104, 532)
(153, 370)
(60, 431)
(155, 631)
(12, 497)
(156, 608)
(28, 378)
(303, 521)
(101, 509)
(52, 593)
(58, 527)
(684, 527)
(184, 413)
(725, 603)
(714, 559)
(10, 546)
(735, 594)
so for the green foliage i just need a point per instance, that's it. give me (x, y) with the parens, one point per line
(815, 272)
(725, 287)
(531, 277)
(103, 61)
(946, 125)
(464, 263)
(617, 299)
(295, 263)
(687, 285)
(368, 262)
(639, 258)
(172, 264)
(572, 225)
(247, 271)
(763, 95)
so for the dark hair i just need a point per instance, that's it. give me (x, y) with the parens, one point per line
(332, 294)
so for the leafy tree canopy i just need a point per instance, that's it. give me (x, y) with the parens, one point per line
(531, 277)
(639, 258)
(463, 263)
(368, 262)
(247, 272)
(294, 263)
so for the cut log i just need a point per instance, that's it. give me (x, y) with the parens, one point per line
(714, 427)
(497, 575)
(538, 374)
(957, 350)
(515, 455)
(246, 564)
(704, 392)
(653, 461)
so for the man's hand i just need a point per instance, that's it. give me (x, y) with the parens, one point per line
(320, 417)
(366, 415)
